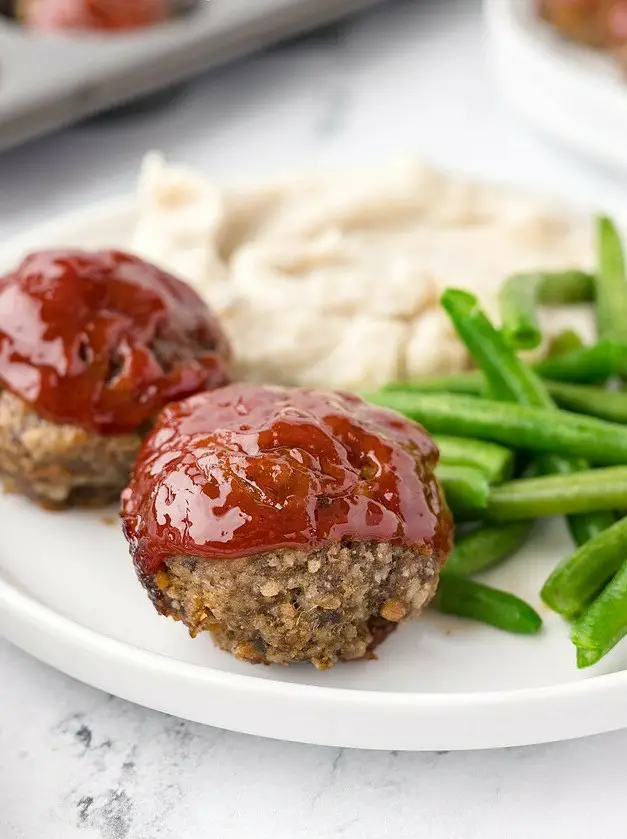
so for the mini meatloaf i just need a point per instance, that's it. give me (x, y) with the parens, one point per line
(292, 524)
(99, 15)
(92, 346)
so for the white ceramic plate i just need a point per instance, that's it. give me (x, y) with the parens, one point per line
(68, 596)
(575, 94)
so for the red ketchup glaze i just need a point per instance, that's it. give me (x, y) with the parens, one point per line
(104, 340)
(248, 469)
(111, 15)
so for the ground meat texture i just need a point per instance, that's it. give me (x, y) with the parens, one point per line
(60, 465)
(292, 524)
(288, 606)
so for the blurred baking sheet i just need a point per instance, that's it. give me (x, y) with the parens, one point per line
(50, 80)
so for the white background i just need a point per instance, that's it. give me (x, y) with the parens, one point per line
(75, 763)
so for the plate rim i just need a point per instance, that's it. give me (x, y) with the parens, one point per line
(31, 609)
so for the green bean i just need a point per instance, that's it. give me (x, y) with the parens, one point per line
(584, 366)
(559, 288)
(589, 526)
(604, 623)
(566, 341)
(469, 599)
(466, 490)
(578, 579)
(513, 426)
(594, 401)
(521, 295)
(559, 495)
(507, 377)
(511, 380)
(611, 282)
(582, 399)
(587, 365)
(495, 461)
(471, 383)
(519, 316)
(486, 547)
(584, 526)
(585, 658)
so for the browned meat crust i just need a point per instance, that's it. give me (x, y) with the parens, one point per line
(287, 606)
(60, 465)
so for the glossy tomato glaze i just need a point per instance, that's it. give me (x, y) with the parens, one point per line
(248, 469)
(104, 340)
(111, 15)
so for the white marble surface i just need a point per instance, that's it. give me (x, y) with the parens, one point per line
(77, 764)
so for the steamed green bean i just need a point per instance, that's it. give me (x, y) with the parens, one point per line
(579, 578)
(466, 490)
(559, 495)
(486, 547)
(522, 294)
(511, 380)
(611, 282)
(495, 461)
(604, 623)
(515, 426)
(582, 399)
(469, 599)
(587, 365)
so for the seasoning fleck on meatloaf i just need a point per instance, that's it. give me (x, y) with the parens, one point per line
(286, 606)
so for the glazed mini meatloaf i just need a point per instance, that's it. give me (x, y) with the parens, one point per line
(99, 15)
(92, 346)
(292, 524)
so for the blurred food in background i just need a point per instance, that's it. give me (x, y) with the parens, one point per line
(101, 15)
(293, 266)
(597, 23)
(136, 48)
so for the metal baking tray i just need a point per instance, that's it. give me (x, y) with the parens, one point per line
(48, 80)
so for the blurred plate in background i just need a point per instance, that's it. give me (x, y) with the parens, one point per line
(574, 94)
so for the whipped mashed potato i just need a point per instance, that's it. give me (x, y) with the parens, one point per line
(333, 279)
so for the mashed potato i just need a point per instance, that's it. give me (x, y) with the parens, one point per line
(333, 279)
